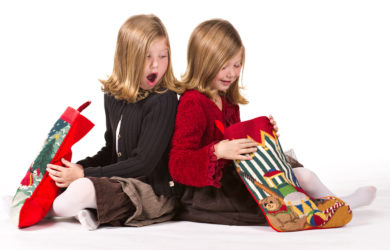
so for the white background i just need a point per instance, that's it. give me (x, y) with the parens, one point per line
(320, 67)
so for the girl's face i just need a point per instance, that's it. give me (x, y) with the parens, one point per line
(229, 73)
(156, 63)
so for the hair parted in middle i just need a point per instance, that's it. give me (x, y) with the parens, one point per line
(212, 44)
(134, 39)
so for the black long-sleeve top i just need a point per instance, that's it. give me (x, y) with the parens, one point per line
(143, 142)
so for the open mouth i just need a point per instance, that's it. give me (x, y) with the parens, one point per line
(152, 77)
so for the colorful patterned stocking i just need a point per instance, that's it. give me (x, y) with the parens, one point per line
(37, 190)
(271, 181)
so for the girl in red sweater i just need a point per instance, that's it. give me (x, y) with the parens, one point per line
(200, 158)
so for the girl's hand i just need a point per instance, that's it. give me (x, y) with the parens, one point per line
(271, 119)
(63, 176)
(235, 149)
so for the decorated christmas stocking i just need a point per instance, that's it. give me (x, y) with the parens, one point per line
(37, 190)
(271, 181)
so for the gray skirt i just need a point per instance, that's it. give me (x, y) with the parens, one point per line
(130, 202)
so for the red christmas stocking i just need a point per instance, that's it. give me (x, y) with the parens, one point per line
(37, 190)
(271, 181)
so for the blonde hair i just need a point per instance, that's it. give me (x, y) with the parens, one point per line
(134, 39)
(211, 45)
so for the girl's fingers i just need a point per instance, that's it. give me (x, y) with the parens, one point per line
(247, 150)
(54, 172)
(54, 167)
(248, 145)
(243, 157)
(55, 178)
(61, 185)
(243, 140)
(51, 166)
(66, 163)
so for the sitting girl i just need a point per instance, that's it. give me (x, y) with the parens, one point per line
(199, 157)
(127, 182)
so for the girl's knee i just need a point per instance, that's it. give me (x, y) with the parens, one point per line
(304, 175)
(80, 194)
(81, 184)
(82, 188)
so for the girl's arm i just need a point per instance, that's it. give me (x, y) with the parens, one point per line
(190, 162)
(157, 129)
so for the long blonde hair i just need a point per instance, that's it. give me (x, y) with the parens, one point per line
(134, 39)
(211, 45)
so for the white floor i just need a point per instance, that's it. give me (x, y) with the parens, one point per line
(367, 230)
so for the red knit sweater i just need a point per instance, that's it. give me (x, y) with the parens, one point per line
(192, 161)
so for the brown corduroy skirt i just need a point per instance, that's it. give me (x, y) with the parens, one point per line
(130, 202)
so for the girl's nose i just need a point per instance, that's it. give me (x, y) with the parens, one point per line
(231, 73)
(154, 64)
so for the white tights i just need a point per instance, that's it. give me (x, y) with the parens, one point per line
(313, 186)
(79, 195)
(75, 200)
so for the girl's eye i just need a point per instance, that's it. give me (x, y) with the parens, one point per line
(163, 56)
(148, 56)
(237, 65)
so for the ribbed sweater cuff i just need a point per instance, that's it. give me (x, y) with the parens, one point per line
(93, 172)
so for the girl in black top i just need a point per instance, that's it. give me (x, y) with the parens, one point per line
(127, 182)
